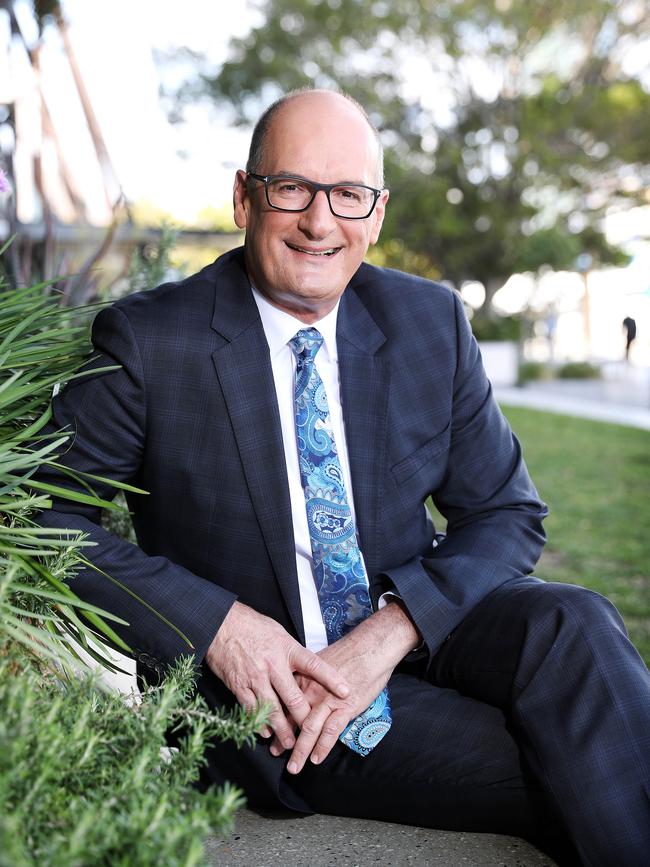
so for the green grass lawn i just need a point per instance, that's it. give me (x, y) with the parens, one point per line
(595, 478)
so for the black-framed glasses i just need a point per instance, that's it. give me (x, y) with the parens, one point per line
(293, 193)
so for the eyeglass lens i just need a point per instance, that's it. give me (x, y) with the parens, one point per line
(294, 194)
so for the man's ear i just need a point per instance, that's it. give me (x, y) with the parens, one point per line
(378, 216)
(240, 199)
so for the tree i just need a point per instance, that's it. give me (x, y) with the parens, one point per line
(501, 119)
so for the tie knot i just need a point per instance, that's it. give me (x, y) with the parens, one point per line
(306, 344)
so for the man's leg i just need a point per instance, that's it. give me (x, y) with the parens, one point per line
(557, 660)
(448, 762)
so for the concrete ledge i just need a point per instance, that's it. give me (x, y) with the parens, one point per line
(285, 839)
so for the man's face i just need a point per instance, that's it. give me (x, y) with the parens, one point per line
(321, 137)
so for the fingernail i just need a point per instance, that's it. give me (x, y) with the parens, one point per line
(292, 767)
(274, 751)
(265, 732)
(343, 690)
(315, 759)
(288, 744)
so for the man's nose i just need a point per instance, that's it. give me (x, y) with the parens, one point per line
(318, 220)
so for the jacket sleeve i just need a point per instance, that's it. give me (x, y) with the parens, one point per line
(106, 413)
(494, 513)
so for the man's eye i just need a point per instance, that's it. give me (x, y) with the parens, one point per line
(288, 188)
(347, 195)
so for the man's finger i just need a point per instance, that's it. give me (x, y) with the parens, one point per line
(290, 695)
(309, 734)
(246, 698)
(329, 735)
(306, 662)
(280, 724)
(276, 748)
(276, 720)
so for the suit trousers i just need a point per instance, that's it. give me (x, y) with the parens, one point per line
(533, 720)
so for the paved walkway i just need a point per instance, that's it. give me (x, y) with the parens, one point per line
(622, 396)
(320, 841)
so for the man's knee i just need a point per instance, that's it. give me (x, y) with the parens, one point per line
(527, 630)
(565, 629)
(574, 608)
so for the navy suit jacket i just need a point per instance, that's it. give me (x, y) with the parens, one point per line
(191, 417)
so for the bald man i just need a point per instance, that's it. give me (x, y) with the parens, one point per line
(290, 409)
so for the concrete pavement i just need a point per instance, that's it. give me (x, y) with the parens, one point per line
(286, 840)
(622, 396)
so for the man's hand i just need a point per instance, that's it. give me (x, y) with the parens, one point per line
(257, 658)
(366, 656)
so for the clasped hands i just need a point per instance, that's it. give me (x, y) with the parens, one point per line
(312, 696)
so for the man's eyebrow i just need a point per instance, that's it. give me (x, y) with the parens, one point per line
(285, 174)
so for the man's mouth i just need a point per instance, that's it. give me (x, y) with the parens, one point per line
(330, 251)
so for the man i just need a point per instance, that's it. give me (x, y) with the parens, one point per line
(290, 409)
(629, 325)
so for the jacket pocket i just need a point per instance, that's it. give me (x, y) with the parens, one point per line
(403, 470)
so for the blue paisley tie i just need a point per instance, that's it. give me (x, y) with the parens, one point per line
(339, 572)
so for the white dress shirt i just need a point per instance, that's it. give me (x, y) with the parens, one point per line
(279, 328)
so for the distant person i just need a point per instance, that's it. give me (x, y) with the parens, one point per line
(551, 328)
(629, 325)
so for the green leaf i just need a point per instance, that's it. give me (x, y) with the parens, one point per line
(142, 602)
(71, 599)
(76, 496)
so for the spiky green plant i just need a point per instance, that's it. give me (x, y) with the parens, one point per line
(83, 780)
(41, 346)
(81, 776)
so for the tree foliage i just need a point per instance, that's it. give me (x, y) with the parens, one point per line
(501, 119)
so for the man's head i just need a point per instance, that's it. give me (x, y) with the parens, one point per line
(303, 260)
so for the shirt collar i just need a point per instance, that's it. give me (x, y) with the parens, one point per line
(280, 327)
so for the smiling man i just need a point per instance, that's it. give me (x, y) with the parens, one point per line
(290, 409)
(298, 252)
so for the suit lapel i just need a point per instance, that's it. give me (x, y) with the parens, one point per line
(244, 369)
(365, 379)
